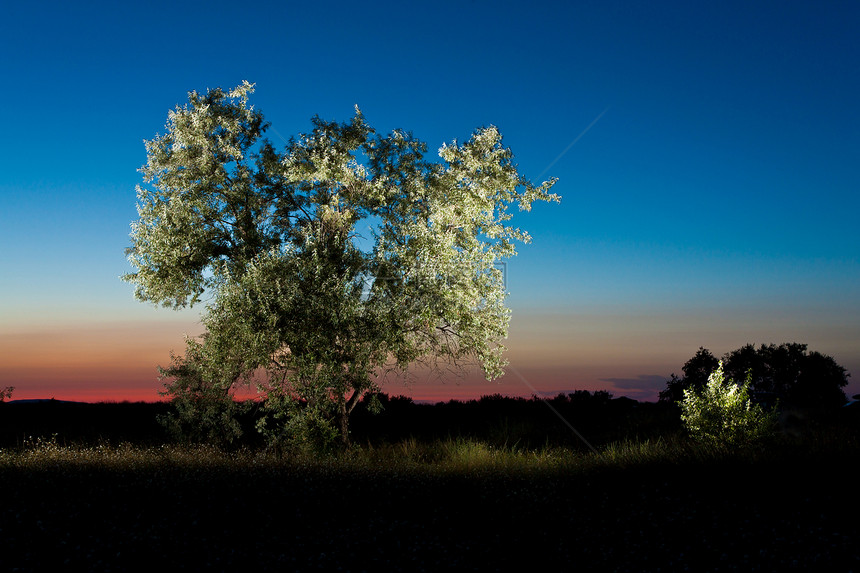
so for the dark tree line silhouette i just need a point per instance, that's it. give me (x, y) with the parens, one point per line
(788, 374)
(517, 421)
(797, 379)
(495, 419)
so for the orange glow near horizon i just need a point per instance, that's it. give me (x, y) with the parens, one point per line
(118, 362)
(101, 362)
(627, 355)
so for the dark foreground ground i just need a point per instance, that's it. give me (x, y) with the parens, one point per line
(791, 510)
(775, 515)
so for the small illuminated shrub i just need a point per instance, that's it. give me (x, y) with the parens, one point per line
(722, 413)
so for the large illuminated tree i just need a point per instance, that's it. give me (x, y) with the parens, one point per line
(344, 256)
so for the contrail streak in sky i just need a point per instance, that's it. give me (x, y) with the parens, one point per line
(572, 143)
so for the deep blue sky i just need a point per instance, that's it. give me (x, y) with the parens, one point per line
(714, 202)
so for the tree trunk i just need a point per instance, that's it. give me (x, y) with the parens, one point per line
(343, 416)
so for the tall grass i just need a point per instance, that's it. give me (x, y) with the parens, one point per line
(449, 456)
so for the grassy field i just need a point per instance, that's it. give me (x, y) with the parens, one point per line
(455, 504)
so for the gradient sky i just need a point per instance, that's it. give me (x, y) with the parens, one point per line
(713, 201)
